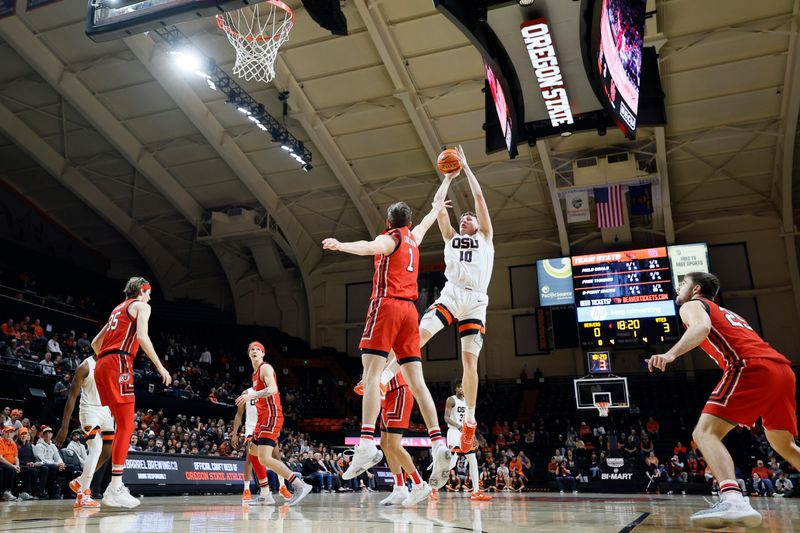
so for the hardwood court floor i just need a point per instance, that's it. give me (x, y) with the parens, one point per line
(340, 513)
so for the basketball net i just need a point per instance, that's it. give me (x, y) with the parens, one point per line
(602, 408)
(256, 32)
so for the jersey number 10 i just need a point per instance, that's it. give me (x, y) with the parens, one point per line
(465, 255)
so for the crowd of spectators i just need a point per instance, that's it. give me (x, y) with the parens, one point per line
(31, 465)
(580, 451)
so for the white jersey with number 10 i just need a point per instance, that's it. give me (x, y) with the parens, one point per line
(468, 261)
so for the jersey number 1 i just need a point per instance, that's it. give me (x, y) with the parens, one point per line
(410, 266)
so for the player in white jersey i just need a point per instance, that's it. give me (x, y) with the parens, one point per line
(469, 258)
(98, 427)
(455, 412)
(248, 409)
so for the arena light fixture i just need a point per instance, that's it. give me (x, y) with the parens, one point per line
(190, 59)
(526, 3)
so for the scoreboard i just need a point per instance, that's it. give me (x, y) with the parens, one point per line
(624, 299)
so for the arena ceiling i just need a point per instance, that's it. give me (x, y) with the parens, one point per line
(113, 141)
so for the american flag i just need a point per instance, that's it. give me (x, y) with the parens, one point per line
(609, 203)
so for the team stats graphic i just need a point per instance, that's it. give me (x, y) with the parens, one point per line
(624, 299)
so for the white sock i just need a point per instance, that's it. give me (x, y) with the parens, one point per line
(725, 492)
(473, 471)
(732, 496)
(470, 414)
(116, 482)
(95, 446)
(281, 481)
(386, 377)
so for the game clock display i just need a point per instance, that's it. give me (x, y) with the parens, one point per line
(628, 333)
(599, 362)
(624, 299)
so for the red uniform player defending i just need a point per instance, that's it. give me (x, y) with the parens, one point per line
(116, 346)
(391, 326)
(757, 381)
(268, 428)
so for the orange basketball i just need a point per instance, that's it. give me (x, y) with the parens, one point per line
(448, 161)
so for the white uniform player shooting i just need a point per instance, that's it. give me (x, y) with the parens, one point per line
(469, 258)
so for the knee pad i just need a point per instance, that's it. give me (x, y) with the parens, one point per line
(436, 318)
(431, 324)
(472, 343)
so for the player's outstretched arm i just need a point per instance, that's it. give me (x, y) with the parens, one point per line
(481, 208)
(382, 244)
(698, 323)
(443, 217)
(142, 319)
(440, 203)
(74, 391)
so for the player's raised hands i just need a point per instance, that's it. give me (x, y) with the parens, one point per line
(659, 361)
(462, 157)
(441, 204)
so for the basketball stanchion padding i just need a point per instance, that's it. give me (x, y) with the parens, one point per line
(256, 32)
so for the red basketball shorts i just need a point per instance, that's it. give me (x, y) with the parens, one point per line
(113, 375)
(392, 324)
(268, 429)
(396, 410)
(761, 388)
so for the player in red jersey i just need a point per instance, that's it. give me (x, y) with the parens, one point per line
(116, 346)
(268, 427)
(391, 325)
(757, 381)
(396, 407)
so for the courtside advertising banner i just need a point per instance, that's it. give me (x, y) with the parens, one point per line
(205, 473)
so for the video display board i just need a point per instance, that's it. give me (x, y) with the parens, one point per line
(619, 58)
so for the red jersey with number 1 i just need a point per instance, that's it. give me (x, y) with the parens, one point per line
(120, 333)
(396, 273)
(732, 340)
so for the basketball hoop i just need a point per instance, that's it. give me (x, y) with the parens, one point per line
(256, 32)
(602, 407)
